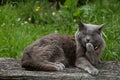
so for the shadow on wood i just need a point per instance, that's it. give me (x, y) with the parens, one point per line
(10, 69)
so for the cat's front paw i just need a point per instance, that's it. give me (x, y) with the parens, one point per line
(89, 47)
(60, 66)
(93, 71)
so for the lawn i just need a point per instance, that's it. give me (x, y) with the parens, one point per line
(21, 23)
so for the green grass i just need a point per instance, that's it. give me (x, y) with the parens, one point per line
(17, 31)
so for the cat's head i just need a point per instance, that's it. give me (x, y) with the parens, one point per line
(89, 33)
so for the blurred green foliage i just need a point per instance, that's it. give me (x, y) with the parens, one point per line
(25, 21)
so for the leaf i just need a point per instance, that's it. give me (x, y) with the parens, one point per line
(78, 12)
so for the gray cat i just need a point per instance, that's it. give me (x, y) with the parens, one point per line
(89, 46)
(55, 52)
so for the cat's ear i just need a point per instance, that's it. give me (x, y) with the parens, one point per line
(100, 27)
(80, 25)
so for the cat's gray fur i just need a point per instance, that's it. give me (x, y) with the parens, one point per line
(55, 52)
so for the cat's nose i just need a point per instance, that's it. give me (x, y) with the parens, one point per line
(87, 40)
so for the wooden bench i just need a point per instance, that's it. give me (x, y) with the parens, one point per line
(10, 69)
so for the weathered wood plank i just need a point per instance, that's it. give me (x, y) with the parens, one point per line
(10, 69)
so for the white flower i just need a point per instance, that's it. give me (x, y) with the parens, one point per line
(18, 19)
(74, 20)
(55, 31)
(25, 22)
(29, 19)
(53, 13)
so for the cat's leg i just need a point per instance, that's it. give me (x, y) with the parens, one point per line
(53, 55)
(43, 66)
(47, 58)
(84, 64)
(50, 66)
(90, 54)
